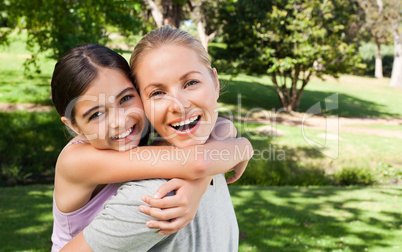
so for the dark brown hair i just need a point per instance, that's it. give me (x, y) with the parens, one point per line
(75, 71)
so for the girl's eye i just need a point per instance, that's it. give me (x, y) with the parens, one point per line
(95, 115)
(191, 83)
(126, 98)
(156, 93)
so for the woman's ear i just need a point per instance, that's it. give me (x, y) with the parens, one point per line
(70, 125)
(217, 85)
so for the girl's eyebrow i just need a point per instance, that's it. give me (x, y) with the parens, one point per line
(90, 110)
(117, 96)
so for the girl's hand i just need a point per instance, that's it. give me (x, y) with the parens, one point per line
(175, 211)
(239, 170)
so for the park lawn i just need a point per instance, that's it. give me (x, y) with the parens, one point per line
(270, 218)
(318, 218)
(307, 158)
(357, 96)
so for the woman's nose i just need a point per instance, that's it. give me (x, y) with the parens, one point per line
(178, 103)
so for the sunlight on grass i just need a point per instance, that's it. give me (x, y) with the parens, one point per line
(318, 218)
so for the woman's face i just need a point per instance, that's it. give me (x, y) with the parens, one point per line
(179, 94)
(110, 113)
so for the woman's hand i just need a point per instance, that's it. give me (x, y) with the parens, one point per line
(175, 211)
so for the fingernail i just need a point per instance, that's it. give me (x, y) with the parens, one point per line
(149, 225)
(141, 209)
(157, 195)
(143, 198)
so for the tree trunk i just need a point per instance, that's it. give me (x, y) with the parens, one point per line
(156, 13)
(201, 33)
(171, 13)
(378, 61)
(396, 76)
(287, 107)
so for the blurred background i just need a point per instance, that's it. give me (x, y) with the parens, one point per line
(315, 85)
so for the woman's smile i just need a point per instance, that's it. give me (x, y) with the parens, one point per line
(179, 94)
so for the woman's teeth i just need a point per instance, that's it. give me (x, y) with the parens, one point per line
(186, 124)
(182, 123)
(123, 135)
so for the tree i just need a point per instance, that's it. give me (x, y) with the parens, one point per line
(56, 26)
(394, 15)
(167, 12)
(377, 24)
(290, 41)
(204, 13)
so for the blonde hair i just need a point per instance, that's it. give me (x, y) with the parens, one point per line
(167, 35)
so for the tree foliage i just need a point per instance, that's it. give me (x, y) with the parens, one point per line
(55, 26)
(290, 41)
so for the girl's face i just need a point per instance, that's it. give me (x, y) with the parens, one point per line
(179, 94)
(110, 113)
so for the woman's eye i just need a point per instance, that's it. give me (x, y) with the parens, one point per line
(95, 115)
(156, 93)
(191, 83)
(126, 98)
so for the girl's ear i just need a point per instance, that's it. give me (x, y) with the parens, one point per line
(70, 125)
(217, 85)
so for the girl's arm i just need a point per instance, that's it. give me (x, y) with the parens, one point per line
(176, 211)
(92, 166)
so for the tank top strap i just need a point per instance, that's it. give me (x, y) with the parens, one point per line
(75, 141)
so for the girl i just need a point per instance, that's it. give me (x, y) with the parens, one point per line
(179, 90)
(94, 95)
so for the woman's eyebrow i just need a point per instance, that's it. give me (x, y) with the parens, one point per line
(158, 85)
(185, 76)
(124, 91)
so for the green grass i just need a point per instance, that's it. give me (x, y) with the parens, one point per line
(17, 87)
(379, 126)
(357, 96)
(318, 219)
(270, 218)
(26, 219)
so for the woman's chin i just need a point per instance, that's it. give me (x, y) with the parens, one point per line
(188, 142)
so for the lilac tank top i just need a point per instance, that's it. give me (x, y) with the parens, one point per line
(67, 225)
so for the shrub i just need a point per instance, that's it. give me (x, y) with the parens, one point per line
(29, 146)
(354, 176)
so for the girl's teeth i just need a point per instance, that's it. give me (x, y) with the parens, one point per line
(182, 123)
(124, 134)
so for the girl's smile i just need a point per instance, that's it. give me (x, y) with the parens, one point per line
(109, 114)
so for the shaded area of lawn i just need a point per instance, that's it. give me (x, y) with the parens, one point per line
(26, 220)
(29, 146)
(318, 219)
(270, 218)
(256, 93)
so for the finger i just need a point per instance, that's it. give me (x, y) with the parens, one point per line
(161, 214)
(167, 187)
(168, 227)
(167, 202)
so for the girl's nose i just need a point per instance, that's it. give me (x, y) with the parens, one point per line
(117, 118)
